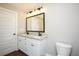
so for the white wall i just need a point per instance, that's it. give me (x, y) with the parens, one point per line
(21, 22)
(62, 24)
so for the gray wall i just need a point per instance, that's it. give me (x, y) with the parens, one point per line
(62, 24)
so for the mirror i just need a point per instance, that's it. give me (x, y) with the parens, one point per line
(36, 23)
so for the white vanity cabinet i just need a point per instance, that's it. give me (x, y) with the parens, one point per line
(32, 46)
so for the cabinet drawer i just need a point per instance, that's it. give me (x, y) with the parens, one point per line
(33, 40)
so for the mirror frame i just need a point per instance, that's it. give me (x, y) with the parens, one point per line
(43, 23)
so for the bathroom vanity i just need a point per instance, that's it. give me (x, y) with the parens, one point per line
(32, 45)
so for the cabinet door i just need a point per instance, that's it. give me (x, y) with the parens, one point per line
(21, 42)
(35, 49)
(27, 47)
(32, 48)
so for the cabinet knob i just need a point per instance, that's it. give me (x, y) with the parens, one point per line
(14, 34)
(32, 45)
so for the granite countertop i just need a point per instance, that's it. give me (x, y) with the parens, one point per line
(33, 36)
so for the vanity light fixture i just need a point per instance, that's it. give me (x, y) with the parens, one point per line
(35, 10)
(39, 8)
(30, 11)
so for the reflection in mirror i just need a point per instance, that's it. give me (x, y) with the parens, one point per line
(36, 23)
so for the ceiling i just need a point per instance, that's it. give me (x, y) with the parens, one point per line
(21, 7)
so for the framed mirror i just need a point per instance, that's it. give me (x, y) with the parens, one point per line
(35, 23)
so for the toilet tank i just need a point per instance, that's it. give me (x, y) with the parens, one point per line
(63, 49)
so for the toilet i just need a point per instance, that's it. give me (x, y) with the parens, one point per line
(63, 49)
